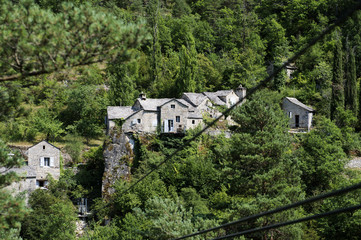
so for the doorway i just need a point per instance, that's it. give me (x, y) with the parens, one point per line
(297, 121)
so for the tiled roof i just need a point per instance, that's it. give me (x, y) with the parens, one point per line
(44, 142)
(194, 98)
(118, 112)
(223, 93)
(214, 98)
(151, 104)
(298, 103)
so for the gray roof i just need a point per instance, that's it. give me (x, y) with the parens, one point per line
(298, 103)
(181, 101)
(44, 141)
(223, 93)
(214, 98)
(151, 104)
(24, 171)
(118, 112)
(194, 98)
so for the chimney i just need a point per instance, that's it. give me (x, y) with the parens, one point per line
(241, 91)
(142, 96)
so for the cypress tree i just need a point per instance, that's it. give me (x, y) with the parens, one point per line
(351, 84)
(338, 98)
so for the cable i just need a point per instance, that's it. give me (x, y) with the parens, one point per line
(336, 23)
(280, 209)
(277, 225)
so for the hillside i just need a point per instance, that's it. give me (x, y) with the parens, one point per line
(63, 63)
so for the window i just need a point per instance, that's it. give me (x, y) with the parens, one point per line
(139, 120)
(46, 161)
(44, 147)
(177, 118)
(172, 106)
(193, 121)
(41, 183)
(290, 114)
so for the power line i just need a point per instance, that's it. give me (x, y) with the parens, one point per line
(280, 209)
(277, 225)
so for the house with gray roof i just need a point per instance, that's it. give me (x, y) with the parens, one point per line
(300, 115)
(43, 159)
(171, 115)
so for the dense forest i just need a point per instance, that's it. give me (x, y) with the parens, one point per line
(63, 62)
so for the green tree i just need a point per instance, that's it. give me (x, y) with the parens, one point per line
(85, 111)
(322, 157)
(351, 84)
(260, 166)
(45, 122)
(12, 209)
(47, 41)
(338, 99)
(51, 217)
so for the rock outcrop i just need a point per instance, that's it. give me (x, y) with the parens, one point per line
(118, 155)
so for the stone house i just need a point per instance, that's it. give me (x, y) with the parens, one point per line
(171, 115)
(300, 115)
(43, 159)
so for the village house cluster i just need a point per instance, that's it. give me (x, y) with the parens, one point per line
(147, 115)
(172, 115)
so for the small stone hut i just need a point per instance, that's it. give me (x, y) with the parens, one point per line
(300, 115)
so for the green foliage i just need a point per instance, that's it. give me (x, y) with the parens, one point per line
(322, 157)
(338, 99)
(12, 209)
(47, 42)
(45, 122)
(74, 147)
(51, 217)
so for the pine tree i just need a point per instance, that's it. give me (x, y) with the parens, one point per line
(338, 98)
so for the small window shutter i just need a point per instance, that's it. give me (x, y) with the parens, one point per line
(51, 161)
(42, 162)
(45, 183)
(37, 183)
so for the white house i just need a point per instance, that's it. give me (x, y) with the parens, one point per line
(299, 114)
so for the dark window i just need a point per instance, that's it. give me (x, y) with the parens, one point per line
(46, 161)
(43, 147)
(193, 121)
(172, 106)
(139, 120)
(297, 121)
(177, 118)
(40, 183)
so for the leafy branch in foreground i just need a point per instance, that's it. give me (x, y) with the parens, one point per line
(36, 41)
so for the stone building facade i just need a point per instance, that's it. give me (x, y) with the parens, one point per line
(299, 114)
(43, 159)
(171, 115)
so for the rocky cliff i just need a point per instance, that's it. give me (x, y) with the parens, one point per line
(118, 155)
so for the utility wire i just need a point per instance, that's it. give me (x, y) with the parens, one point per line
(282, 224)
(280, 209)
(262, 84)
